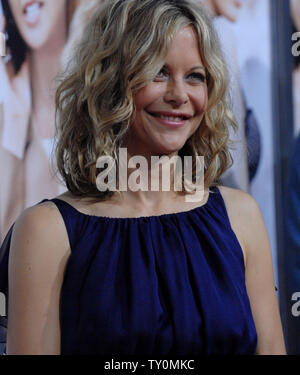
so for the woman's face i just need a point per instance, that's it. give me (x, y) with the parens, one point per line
(170, 108)
(228, 8)
(37, 20)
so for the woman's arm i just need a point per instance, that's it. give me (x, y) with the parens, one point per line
(38, 254)
(247, 222)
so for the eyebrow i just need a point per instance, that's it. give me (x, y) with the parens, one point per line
(199, 67)
(194, 68)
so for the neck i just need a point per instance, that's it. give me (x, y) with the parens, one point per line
(154, 187)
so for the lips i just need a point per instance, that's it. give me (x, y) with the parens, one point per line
(32, 12)
(172, 116)
(170, 119)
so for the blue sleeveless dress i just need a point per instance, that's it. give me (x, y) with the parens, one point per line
(172, 284)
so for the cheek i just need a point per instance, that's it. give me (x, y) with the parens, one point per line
(14, 6)
(139, 100)
(201, 100)
(56, 13)
(147, 96)
(56, 9)
(16, 10)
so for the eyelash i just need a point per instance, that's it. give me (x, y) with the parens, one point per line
(197, 76)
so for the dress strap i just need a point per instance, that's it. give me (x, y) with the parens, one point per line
(218, 198)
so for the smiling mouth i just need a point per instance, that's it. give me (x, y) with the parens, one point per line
(170, 120)
(32, 12)
(169, 117)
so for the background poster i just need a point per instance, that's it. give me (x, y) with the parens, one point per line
(36, 34)
(40, 37)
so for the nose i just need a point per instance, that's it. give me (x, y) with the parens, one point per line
(176, 93)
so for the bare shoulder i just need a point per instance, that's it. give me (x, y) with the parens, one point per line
(245, 217)
(248, 224)
(39, 251)
(238, 203)
(42, 222)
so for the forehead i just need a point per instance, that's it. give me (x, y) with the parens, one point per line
(185, 47)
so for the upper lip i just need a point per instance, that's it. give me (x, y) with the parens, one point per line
(27, 3)
(171, 114)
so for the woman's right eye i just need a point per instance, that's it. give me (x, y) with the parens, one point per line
(161, 74)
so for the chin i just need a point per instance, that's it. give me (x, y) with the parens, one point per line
(170, 150)
(35, 41)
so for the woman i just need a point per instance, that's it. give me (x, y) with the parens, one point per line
(37, 32)
(158, 275)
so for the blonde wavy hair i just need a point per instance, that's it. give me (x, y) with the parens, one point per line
(123, 47)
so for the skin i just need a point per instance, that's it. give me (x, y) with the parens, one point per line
(40, 247)
(246, 220)
(179, 87)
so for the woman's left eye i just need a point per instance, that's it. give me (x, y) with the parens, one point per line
(197, 77)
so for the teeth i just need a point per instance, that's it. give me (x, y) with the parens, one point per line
(170, 118)
(32, 8)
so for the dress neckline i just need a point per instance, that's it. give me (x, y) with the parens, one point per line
(150, 217)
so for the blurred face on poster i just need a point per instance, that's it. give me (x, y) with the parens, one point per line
(226, 8)
(36, 20)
